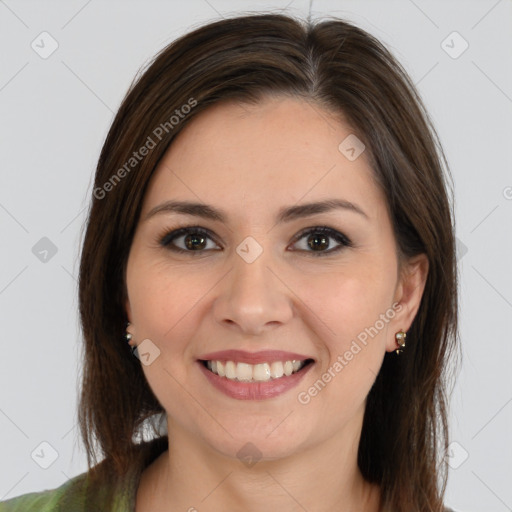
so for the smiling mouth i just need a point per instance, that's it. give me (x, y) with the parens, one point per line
(262, 372)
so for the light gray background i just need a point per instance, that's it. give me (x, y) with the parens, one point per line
(55, 113)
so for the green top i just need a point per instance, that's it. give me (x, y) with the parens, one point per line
(74, 496)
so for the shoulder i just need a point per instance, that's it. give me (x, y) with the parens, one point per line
(69, 496)
(75, 495)
(81, 494)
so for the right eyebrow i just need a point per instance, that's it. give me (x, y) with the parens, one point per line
(286, 214)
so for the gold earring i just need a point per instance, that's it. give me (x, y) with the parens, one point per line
(400, 341)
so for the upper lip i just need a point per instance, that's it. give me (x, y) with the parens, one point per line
(263, 356)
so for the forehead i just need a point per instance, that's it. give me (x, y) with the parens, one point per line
(277, 152)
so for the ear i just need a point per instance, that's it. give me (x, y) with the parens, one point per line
(130, 329)
(408, 294)
(128, 310)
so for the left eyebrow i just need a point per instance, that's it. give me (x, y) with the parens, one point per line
(305, 210)
(286, 214)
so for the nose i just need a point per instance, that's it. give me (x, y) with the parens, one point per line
(253, 298)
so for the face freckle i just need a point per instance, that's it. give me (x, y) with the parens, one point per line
(251, 162)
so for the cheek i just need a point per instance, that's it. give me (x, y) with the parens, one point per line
(352, 318)
(349, 300)
(164, 301)
(352, 335)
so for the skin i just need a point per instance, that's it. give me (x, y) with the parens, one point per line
(251, 161)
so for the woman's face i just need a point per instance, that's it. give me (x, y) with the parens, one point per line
(261, 280)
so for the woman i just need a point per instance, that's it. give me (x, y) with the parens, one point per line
(270, 229)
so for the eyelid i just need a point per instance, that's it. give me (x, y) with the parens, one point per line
(326, 230)
(169, 235)
(174, 233)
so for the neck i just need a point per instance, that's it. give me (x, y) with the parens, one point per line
(192, 476)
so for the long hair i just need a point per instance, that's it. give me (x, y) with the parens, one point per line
(344, 70)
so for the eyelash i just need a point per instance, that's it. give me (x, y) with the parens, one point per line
(166, 239)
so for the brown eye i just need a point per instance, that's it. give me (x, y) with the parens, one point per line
(194, 241)
(318, 241)
(190, 240)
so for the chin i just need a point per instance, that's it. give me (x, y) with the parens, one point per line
(253, 442)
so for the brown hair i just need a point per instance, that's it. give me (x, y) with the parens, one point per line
(344, 70)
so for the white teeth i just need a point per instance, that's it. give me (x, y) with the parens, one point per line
(262, 372)
(243, 371)
(276, 369)
(230, 370)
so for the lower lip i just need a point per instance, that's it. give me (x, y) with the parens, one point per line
(254, 390)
